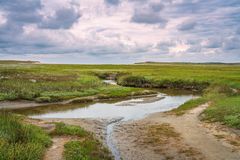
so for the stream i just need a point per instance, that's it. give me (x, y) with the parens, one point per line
(115, 112)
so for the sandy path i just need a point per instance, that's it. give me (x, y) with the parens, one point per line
(195, 141)
(55, 152)
(195, 134)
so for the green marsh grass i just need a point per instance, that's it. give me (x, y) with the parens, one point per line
(86, 148)
(19, 140)
(63, 129)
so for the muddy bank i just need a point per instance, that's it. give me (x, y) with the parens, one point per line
(56, 150)
(163, 136)
(22, 104)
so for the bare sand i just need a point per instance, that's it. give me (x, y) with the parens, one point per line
(164, 136)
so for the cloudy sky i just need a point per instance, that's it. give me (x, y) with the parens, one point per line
(120, 31)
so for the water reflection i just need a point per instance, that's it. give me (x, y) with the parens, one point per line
(129, 109)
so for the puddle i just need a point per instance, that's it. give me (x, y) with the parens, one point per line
(112, 82)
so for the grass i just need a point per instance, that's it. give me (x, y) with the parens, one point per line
(225, 110)
(63, 129)
(45, 85)
(188, 106)
(86, 148)
(19, 140)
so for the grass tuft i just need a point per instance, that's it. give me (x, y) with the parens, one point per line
(21, 141)
(188, 106)
(86, 148)
(225, 110)
(63, 129)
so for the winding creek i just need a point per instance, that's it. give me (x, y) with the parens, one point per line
(116, 112)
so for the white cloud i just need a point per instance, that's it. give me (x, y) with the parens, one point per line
(3, 18)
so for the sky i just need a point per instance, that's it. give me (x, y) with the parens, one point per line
(120, 31)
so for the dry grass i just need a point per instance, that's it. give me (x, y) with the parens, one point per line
(161, 134)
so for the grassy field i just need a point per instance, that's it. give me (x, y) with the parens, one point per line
(21, 141)
(218, 83)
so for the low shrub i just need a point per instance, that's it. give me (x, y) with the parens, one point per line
(134, 81)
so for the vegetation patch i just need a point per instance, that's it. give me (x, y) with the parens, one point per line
(225, 110)
(134, 81)
(143, 82)
(86, 148)
(21, 141)
(188, 106)
(62, 129)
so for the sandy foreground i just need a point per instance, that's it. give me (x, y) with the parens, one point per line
(160, 136)
(163, 136)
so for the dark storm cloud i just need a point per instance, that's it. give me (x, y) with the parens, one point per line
(112, 2)
(186, 26)
(165, 46)
(148, 18)
(150, 14)
(21, 12)
(63, 19)
(157, 7)
(231, 43)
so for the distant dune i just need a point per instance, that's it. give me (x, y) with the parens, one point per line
(18, 62)
(213, 63)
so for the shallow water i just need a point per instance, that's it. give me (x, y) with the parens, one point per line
(112, 82)
(128, 110)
